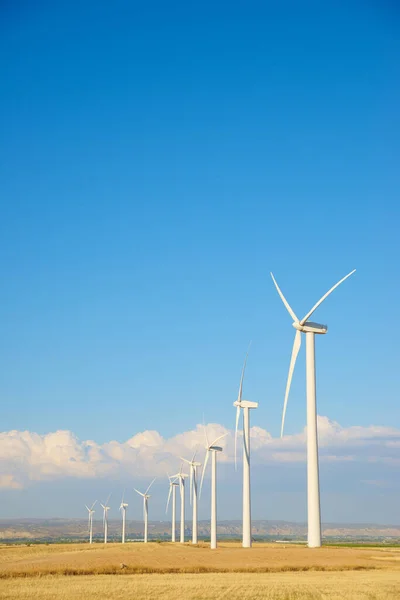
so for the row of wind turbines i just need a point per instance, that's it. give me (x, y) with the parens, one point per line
(310, 329)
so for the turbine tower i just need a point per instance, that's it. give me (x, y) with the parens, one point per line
(193, 492)
(181, 478)
(310, 329)
(106, 508)
(146, 497)
(245, 405)
(213, 449)
(123, 508)
(172, 491)
(91, 513)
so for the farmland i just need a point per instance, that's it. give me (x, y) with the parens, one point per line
(145, 571)
(375, 585)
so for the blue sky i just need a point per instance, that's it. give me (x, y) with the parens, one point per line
(156, 162)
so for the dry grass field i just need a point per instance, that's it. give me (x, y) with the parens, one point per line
(83, 559)
(272, 571)
(350, 585)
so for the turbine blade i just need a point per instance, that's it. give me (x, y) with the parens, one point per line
(194, 455)
(186, 460)
(206, 436)
(236, 432)
(242, 376)
(150, 485)
(204, 470)
(285, 302)
(109, 496)
(137, 491)
(219, 438)
(87, 507)
(93, 504)
(308, 315)
(191, 484)
(239, 398)
(169, 497)
(295, 351)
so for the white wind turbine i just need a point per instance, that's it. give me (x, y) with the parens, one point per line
(146, 497)
(246, 405)
(106, 508)
(181, 478)
(310, 329)
(213, 449)
(193, 492)
(123, 508)
(91, 513)
(173, 484)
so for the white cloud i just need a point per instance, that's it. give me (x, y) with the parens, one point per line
(8, 481)
(27, 457)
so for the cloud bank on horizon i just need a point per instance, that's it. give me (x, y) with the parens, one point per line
(27, 457)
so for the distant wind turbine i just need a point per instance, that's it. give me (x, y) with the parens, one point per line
(193, 492)
(181, 478)
(310, 329)
(106, 508)
(146, 497)
(91, 513)
(173, 484)
(213, 449)
(245, 405)
(123, 508)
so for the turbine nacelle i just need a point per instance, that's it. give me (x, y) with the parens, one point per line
(239, 403)
(310, 327)
(192, 462)
(145, 494)
(214, 448)
(302, 326)
(210, 448)
(245, 404)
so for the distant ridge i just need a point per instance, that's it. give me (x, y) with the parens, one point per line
(77, 529)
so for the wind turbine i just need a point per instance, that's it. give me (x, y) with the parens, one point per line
(91, 513)
(106, 508)
(181, 478)
(172, 491)
(246, 405)
(146, 496)
(193, 492)
(213, 449)
(123, 508)
(310, 329)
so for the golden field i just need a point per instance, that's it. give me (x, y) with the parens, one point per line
(83, 559)
(350, 585)
(275, 571)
